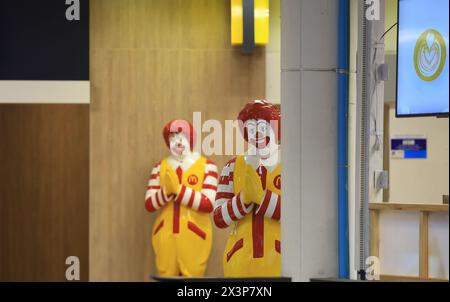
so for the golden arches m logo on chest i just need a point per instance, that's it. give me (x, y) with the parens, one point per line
(192, 179)
(277, 182)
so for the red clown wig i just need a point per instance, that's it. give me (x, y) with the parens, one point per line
(179, 126)
(260, 110)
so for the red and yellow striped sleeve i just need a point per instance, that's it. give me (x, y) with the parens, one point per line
(155, 197)
(228, 207)
(201, 201)
(270, 205)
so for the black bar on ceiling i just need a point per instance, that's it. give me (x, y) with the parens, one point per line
(248, 13)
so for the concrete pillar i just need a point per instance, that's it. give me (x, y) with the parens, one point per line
(309, 138)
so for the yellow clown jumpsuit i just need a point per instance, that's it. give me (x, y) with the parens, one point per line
(253, 247)
(182, 232)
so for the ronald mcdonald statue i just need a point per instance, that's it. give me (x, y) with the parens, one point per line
(182, 187)
(249, 197)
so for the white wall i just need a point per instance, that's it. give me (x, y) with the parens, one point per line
(420, 180)
(399, 244)
(417, 181)
(414, 181)
(390, 39)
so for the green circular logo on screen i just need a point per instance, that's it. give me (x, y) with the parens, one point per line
(429, 55)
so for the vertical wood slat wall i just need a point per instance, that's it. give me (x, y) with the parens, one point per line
(44, 191)
(153, 61)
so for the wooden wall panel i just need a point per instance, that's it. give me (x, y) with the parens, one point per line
(152, 61)
(44, 191)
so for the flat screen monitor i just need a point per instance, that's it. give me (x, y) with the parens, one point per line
(422, 58)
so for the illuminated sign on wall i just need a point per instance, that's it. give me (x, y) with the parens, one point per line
(249, 23)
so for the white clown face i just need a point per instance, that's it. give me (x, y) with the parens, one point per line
(179, 145)
(262, 137)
